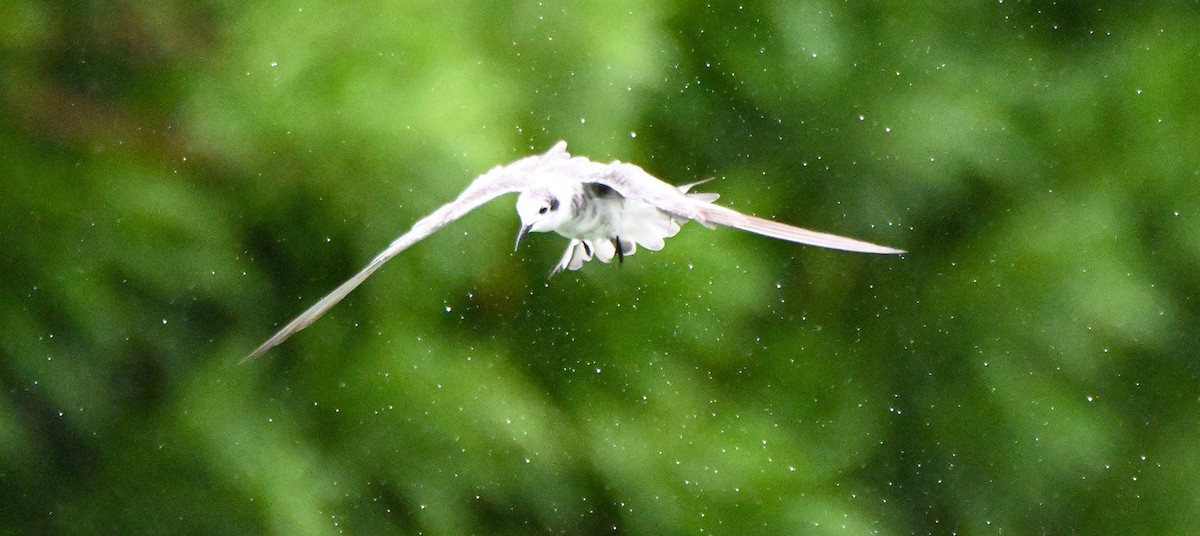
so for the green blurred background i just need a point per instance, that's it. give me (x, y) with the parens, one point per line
(179, 178)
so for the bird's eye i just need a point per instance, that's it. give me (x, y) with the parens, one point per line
(543, 210)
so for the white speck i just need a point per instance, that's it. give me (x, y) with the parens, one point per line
(633, 134)
(447, 308)
(274, 64)
(164, 321)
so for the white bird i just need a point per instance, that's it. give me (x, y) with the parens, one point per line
(605, 209)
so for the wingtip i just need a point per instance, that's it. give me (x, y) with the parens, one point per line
(259, 351)
(262, 349)
(867, 247)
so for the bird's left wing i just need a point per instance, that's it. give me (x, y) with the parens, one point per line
(633, 181)
(495, 183)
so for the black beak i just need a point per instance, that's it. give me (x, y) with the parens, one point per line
(521, 234)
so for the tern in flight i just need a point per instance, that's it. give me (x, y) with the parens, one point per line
(607, 210)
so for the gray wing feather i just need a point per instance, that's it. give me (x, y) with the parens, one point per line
(497, 182)
(633, 181)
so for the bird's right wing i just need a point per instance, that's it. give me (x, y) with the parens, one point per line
(495, 183)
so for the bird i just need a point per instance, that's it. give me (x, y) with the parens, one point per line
(606, 210)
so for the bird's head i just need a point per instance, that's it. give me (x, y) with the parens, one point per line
(542, 210)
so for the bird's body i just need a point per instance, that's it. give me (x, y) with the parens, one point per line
(606, 210)
(596, 211)
(605, 224)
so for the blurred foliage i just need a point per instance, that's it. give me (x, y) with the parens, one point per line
(181, 177)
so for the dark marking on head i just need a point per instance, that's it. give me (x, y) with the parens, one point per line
(553, 203)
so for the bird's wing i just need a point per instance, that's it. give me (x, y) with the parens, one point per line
(633, 181)
(732, 218)
(498, 181)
